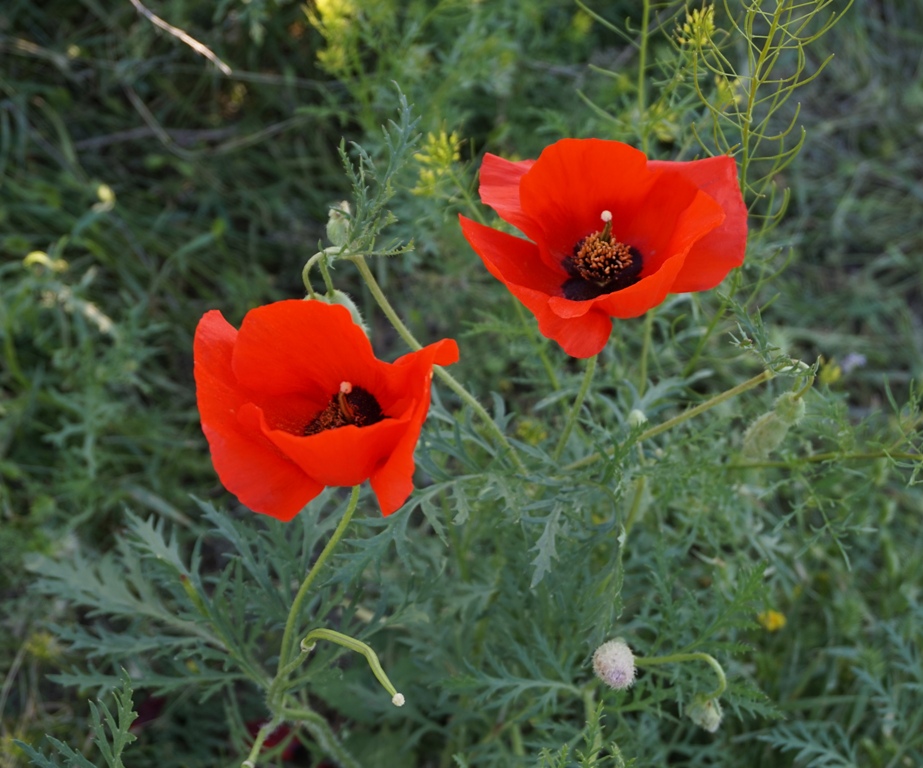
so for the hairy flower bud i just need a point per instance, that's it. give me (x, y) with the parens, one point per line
(614, 664)
(338, 223)
(636, 418)
(344, 300)
(766, 434)
(705, 713)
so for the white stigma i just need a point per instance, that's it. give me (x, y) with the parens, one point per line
(606, 216)
(345, 387)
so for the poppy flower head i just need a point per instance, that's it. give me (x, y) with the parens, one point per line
(296, 400)
(667, 227)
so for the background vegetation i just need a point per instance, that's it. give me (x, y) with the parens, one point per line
(153, 188)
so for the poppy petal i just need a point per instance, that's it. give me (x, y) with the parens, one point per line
(298, 346)
(341, 457)
(249, 466)
(499, 188)
(510, 259)
(574, 181)
(723, 249)
(392, 482)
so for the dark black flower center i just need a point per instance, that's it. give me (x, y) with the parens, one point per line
(600, 264)
(351, 405)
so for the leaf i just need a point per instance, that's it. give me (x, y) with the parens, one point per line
(546, 544)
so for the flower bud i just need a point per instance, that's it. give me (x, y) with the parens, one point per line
(705, 713)
(614, 664)
(636, 418)
(343, 299)
(338, 223)
(789, 408)
(766, 434)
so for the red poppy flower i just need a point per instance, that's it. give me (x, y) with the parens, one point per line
(296, 401)
(611, 233)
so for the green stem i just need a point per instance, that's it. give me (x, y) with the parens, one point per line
(575, 410)
(325, 271)
(261, 737)
(685, 416)
(651, 661)
(540, 347)
(642, 67)
(829, 456)
(635, 504)
(358, 646)
(447, 378)
(322, 735)
(693, 360)
(285, 650)
(645, 351)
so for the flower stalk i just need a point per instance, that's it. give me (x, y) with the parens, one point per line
(310, 640)
(578, 404)
(411, 341)
(285, 650)
(676, 420)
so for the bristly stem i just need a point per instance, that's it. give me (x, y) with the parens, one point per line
(331, 635)
(685, 416)
(446, 377)
(645, 350)
(642, 66)
(285, 650)
(651, 661)
(575, 410)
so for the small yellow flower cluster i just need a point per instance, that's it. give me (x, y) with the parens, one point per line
(698, 27)
(771, 621)
(436, 158)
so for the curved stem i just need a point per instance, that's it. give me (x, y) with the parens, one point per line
(651, 661)
(285, 649)
(357, 646)
(325, 271)
(450, 381)
(685, 416)
(575, 410)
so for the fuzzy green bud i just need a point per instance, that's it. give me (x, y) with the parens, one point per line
(636, 418)
(338, 223)
(705, 713)
(789, 408)
(344, 300)
(766, 434)
(614, 664)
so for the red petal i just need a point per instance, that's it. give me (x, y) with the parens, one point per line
(723, 249)
(393, 480)
(499, 189)
(248, 465)
(516, 263)
(512, 260)
(341, 457)
(574, 181)
(304, 347)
